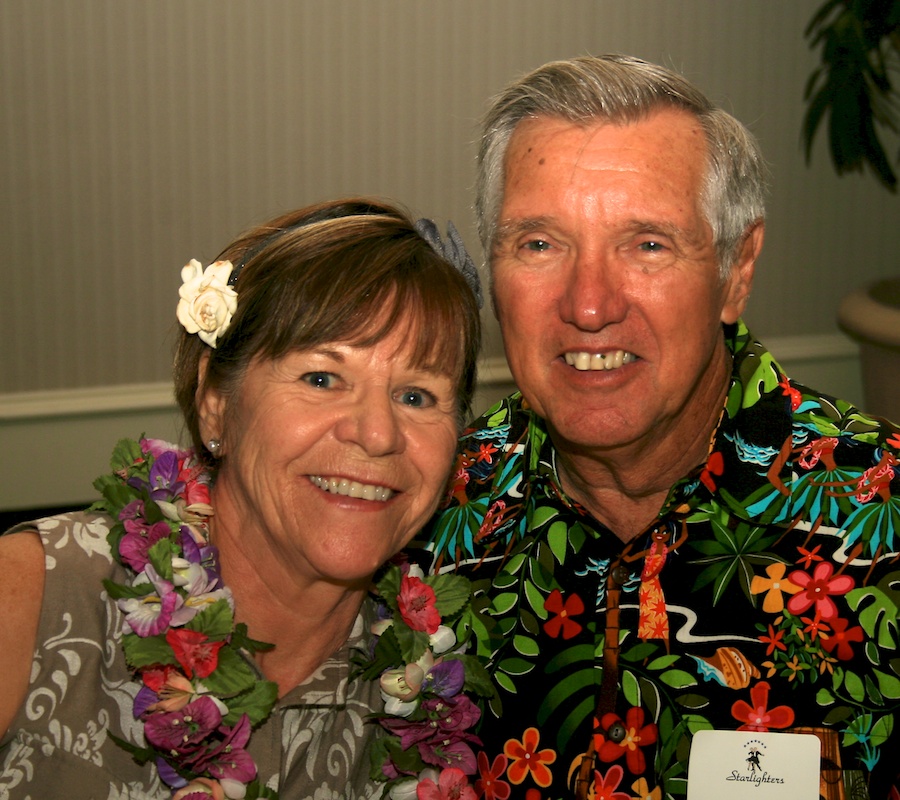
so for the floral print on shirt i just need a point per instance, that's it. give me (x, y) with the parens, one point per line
(765, 597)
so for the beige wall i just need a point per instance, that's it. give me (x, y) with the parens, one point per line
(139, 134)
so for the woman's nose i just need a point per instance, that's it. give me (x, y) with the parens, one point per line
(372, 423)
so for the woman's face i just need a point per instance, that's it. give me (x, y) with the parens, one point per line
(333, 457)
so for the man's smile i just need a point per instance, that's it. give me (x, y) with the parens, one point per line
(585, 361)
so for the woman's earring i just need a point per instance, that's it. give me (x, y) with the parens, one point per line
(214, 446)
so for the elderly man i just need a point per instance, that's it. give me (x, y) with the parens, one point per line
(667, 536)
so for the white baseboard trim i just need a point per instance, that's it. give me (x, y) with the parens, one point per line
(54, 443)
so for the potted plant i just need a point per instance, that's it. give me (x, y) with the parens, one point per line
(853, 91)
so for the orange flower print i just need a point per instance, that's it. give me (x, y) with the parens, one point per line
(642, 790)
(775, 640)
(775, 587)
(563, 623)
(528, 760)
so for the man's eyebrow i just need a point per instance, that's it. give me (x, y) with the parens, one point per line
(515, 227)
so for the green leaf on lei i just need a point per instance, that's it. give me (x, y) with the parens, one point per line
(143, 651)
(389, 588)
(451, 593)
(242, 641)
(160, 555)
(118, 591)
(216, 620)
(413, 644)
(256, 703)
(232, 677)
(126, 454)
(477, 678)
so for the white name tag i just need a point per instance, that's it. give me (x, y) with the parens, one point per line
(733, 765)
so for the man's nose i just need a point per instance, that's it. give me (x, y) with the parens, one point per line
(371, 422)
(594, 292)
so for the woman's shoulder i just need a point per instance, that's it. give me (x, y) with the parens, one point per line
(72, 536)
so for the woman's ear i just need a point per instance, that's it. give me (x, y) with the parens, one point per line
(210, 404)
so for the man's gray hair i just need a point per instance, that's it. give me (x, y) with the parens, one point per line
(621, 90)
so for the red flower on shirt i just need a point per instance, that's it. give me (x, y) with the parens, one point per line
(715, 466)
(840, 638)
(759, 717)
(634, 735)
(490, 783)
(563, 623)
(817, 589)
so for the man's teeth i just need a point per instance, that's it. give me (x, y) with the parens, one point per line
(597, 361)
(365, 491)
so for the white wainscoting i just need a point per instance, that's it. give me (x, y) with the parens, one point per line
(54, 443)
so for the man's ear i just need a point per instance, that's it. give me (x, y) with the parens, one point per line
(210, 406)
(740, 282)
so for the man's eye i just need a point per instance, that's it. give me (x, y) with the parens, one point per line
(416, 398)
(651, 247)
(319, 380)
(537, 245)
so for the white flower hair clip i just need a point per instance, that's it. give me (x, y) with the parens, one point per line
(207, 301)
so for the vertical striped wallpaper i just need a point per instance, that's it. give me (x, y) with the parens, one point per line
(137, 134)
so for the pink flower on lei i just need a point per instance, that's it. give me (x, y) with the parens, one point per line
(417, 605)
(452, 785)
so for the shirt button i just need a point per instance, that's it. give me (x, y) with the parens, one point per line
(621, 575)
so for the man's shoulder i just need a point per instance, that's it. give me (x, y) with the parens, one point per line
(484, 492)
(817, 415)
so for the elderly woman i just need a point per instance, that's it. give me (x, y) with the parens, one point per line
(325, 364)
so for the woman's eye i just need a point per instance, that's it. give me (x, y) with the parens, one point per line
(417, 398)
(319, 380)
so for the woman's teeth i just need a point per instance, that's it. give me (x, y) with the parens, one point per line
(364, 491)
(596, 361)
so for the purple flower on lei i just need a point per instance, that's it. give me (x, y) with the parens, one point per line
(441, 738)
(228, 760)
(138, 539)
(182, 732)
(445, 679)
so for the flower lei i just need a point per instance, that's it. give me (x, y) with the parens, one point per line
(199, 698)
(424, 673)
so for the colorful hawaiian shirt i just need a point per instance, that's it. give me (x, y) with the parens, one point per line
(764, 598)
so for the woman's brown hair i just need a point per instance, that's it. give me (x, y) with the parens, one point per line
(346, 271)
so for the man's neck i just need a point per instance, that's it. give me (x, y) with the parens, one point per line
(625, 487)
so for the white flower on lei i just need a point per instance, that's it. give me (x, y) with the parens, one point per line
(207, 301)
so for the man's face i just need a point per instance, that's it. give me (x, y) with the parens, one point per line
(606, 283)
